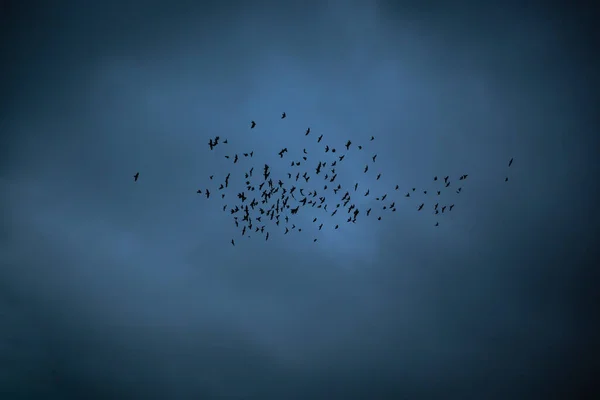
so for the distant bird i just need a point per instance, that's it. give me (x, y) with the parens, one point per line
(438, 192)
(232, 242)
(366, 168)
(435, 178)
(360, 147)
(506, 179)
(307, 131)
(421, 207)
(348, 143)
(372, 138)
(374, 157)
(397, 187)
(211, 144)
(136, 176)
(451, 207)
(378, 176)
(510, 162)
(407, 194)
(319, 139)
(199, 191)
(437, 224)
(283, 115)
(446, 179)
(207, 194)
(252, 125)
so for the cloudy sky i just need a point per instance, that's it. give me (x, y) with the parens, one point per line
(116, 289)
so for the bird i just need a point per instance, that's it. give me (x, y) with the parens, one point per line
(435, 178)
(232, 242)
(421, 207)
(378, 176)
(374, 157)
(437, 224)
(283, 115)
(451, 207)
(348, 143)
(307, 131)
(366, 168)
(372, 138)
(252, 125)
(136, 176)
(510, 162)
(506, 179)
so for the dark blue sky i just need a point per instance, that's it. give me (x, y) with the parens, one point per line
(115, 289)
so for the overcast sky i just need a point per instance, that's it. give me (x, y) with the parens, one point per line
(116, 289)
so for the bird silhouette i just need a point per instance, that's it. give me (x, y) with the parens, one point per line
(283, 115)
(510, 162)
(307, 131)
(136, 176)
(252, 125)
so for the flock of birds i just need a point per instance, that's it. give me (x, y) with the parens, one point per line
(267, 202)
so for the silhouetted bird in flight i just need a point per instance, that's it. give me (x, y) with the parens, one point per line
(510, 162)
(451, 207)
(136, 176)
(506, 179)
(437, 224)
(372, 138)
(207, 194)
(232, 242)
(421, 207)
(319, 139)
(348, 143)
(374, 157)
(378, 176)
(199, 191)
(435, 178)
(211, 144)
(282, 115)
(307, 131)
(360, 147)
(252, 125)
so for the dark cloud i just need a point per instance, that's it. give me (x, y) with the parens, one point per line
(114, 289)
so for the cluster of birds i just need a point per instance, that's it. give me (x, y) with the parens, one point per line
(267, 202)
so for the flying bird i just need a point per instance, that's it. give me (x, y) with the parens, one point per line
(252, 125)
(510, 162)
(136, 176)
(307, 131)
(283, 115)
